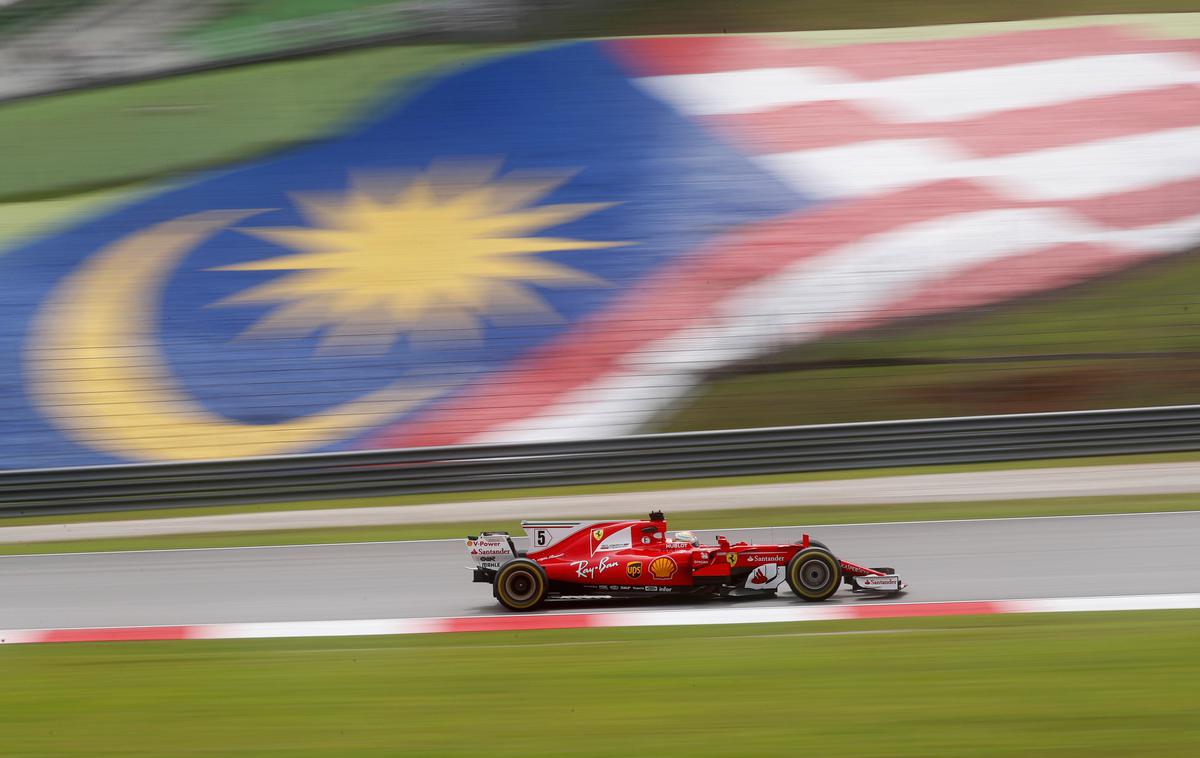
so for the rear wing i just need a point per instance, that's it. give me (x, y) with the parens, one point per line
(491, 549)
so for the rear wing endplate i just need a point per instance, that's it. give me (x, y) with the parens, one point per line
(491, 549)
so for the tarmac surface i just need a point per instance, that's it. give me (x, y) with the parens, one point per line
(1074, 556)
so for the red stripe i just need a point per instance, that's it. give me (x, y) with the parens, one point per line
(657, 56)
(1154, 205)
(675, 298)
(808, 126)
(815, 125)
(1080, 121)
(925, 609)
(118, 634)
(891, 59)
(516, 623)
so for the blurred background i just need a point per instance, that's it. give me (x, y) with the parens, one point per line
(780, 224)
(262, 229)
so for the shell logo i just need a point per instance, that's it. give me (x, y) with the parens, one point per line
(663, 568)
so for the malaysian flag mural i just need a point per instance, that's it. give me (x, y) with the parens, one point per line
(559, 243)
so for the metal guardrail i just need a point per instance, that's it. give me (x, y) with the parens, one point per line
(634, 458)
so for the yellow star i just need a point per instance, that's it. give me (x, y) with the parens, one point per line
(430, 258)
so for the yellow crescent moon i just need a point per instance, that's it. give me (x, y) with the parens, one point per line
(96, 368)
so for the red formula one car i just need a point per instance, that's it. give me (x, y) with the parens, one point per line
(636, 558)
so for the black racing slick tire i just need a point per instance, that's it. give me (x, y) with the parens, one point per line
(520, 585)
(814, 574)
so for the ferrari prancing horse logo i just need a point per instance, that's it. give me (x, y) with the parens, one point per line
(597, 534)
(731, 559)
(633, 569)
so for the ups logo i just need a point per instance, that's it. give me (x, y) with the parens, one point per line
(633, 569)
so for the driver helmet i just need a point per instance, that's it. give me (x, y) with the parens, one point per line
(688, 537)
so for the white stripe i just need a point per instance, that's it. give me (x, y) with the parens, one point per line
(1102, 167)
(945, 96)
(614, 404)
(335, 628)
(862, 275)
(958, 95)
(867, 168)
(745, 91)
(19, 637)
(737, 616)
(1110, 603)
(1071, 172)
(1165, 237)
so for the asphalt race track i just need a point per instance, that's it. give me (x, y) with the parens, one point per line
(949, 560)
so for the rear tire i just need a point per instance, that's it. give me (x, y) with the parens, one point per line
(520, 585)
(814, 574)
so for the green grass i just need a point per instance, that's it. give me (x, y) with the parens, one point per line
(1089, 685)
(251, 13)
(257, 27)
(1126, 341)
(717, 519)
(665, 485)
(76, 142)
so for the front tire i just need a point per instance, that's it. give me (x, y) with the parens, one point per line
(520, 585)
(814, 574)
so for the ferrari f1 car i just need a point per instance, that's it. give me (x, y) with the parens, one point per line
(641, 558)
